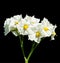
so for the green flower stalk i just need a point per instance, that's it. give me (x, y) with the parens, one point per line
(22, 48)
(32, 27)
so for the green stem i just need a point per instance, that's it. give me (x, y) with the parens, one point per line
(26, 60)
(21, 43)
(32, 50)
(22, 48)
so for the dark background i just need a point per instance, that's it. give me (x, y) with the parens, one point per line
(47, 51)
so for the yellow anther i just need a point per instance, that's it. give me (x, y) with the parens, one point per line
(38, 34)
(16, 22)
(25, 27)
(46, 29)
(54, 33)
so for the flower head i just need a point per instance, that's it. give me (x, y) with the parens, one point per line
(24, 27)
(53, 33)
(11, 24)
(46, 27)
(36, 34)
(30, 26)
(32, 19)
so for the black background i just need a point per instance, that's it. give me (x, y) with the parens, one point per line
(47, 51)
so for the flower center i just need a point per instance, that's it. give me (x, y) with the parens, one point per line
(32, 22)
(54, 33)
(25, 27)
(38, 34)
(16, 22)
(46, 29)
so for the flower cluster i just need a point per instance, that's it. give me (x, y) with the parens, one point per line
(31, 26)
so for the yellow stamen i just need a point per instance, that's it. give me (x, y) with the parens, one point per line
(54, 33)
(38, 34)
(16, 22)
(25, 27)
(46, 29)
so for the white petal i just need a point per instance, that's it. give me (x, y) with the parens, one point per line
(6, 26)
(52, 38)
(18, 17)
(31, 37)
(15, 33)
(6, 30)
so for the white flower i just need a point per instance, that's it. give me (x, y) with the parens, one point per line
(30, 26)
(24, 27)
(53, 33)
(6, 26)
(36, 34)
(46, 27)
(32, 19)
(12, 23)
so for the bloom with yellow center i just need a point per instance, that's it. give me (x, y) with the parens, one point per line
(24, 27)
(36, 34)
(46, 27)
(14, 22)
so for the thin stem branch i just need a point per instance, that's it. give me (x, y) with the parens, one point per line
(22, 48)
(21, 44)
(32, 50)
